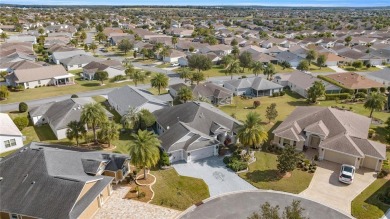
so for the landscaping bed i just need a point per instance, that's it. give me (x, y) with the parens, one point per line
(142, 181)
(140, 193)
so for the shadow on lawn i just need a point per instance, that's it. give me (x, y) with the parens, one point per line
(91, 84)
(263, 176)
(374, 198)
(44, 133)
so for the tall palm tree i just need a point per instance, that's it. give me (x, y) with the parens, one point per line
(143, 149)
(233, 68)
(185, 94)
(269, 71)
(159, 81)
(252, 133)
(164, 52)
(94, 115)
(375, 101)
(174, 41)
(76, 130)
(257, 68)
(109, 132)
(130, 119)
(138, 76)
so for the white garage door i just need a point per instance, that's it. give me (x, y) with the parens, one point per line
(175, 156)
(202, 153)
(370, 162)
(339, 158)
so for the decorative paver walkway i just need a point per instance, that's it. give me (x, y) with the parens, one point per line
(117, 207)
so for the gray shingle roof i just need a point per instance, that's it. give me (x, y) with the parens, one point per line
(47, 181)
(78, 59)
(256, 83)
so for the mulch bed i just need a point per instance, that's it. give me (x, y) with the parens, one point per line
(149, 179)
(132, 194)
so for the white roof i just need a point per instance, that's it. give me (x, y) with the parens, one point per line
(7, 126)
(69, 75)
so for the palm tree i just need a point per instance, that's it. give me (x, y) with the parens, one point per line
(76, 130)
(159, 81)
(138, 76)
(185, 74)
(252, 133)
(130, 119)
(94, 115)
(269, 71)
(226, 61)
(233, 68)
(257, 68)
(144, 151)
(164, 52)
(375, 101)
(185, 94)
(109, 132)
(129, 70)
(174, 42)
(3, 36)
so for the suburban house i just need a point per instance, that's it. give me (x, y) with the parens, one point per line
(55, 181)
(112, 67)
(333, 59)
(253, 86)
(173, 56)
(59, 114)
(77, 61)
(216, 94)
(220, 49)
(354, 81)
(300, 83)
(60, 55)
(22, 38)
(121, 99)
(381, 76)
(289, 57)
(10, 136)
(339, 136)
(24, 64)
(194, 130)
(41, 76)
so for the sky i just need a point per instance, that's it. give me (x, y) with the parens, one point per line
(314, 3)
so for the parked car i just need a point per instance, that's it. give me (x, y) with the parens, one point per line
(174, 64)
(347, 173)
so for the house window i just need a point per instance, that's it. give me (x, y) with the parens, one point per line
(14, 216)
(13, 142)
(39, 82)
(294, 143)
(27, 84)
(7, 143)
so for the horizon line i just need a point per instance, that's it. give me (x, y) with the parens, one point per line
(195, 5)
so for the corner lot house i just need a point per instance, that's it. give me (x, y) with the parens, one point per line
(59, 114)
(112, 67)
(300, 83)
(339, 136)
(42, 76)
(194, 130)
(381, 76)
(10, 136)
(254, 86)
(121, 99)
(216, 94)
(54, 181)
(354, 81)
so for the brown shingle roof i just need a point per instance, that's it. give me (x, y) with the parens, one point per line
(45, 72)
(354, 81)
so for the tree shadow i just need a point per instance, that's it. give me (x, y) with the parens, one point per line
(380, 133)
(263, 176)
(91, 84)
(44, 133)
(374, 198)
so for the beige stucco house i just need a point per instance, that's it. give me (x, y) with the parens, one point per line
(339, 136)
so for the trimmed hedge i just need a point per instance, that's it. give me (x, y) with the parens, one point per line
(341, 96)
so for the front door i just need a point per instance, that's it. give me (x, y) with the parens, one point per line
(314, 141)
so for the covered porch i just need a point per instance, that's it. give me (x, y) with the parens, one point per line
(64, 80)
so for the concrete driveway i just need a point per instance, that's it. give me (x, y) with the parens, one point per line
(213, 171)
(326, 189)
(337, 69)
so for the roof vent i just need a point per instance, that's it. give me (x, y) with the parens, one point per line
(33, 182)
(1, 179)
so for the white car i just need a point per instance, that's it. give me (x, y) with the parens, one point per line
(347, 173)
(174, 64)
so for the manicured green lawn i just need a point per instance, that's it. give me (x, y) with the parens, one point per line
(279, 69)
(165, 65)
(178, 192)
(350, 68)
(316, 69)
(263, 174)
(366, 205)
(51, 91)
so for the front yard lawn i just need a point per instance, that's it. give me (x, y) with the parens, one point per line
(367, 205)
(178, 192)
(316, 69)
(263, 174)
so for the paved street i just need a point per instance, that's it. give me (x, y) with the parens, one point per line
(243, 204)
(216, 175)
(325, 187)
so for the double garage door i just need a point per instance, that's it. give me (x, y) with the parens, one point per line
(339, 158)
(202, 153)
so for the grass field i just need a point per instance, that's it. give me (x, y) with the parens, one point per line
(367, 205)
(263, 174)
(350, 68)
(178, 192)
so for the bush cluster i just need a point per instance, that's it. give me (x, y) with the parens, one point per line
(235, 162)
(341, 96)
(306, 165)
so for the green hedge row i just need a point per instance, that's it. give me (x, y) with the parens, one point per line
(341, 96)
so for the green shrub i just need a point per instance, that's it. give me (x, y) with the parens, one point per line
(363, 91)
(282, 93)
(276, 94)
(374, 89)
(74, 96)
(19, 87)
(360, 95)
(164, 159)
(341, 96)
(119, 78)
(23, 107)
(4, 93)
(21, 122)
(382, 89)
